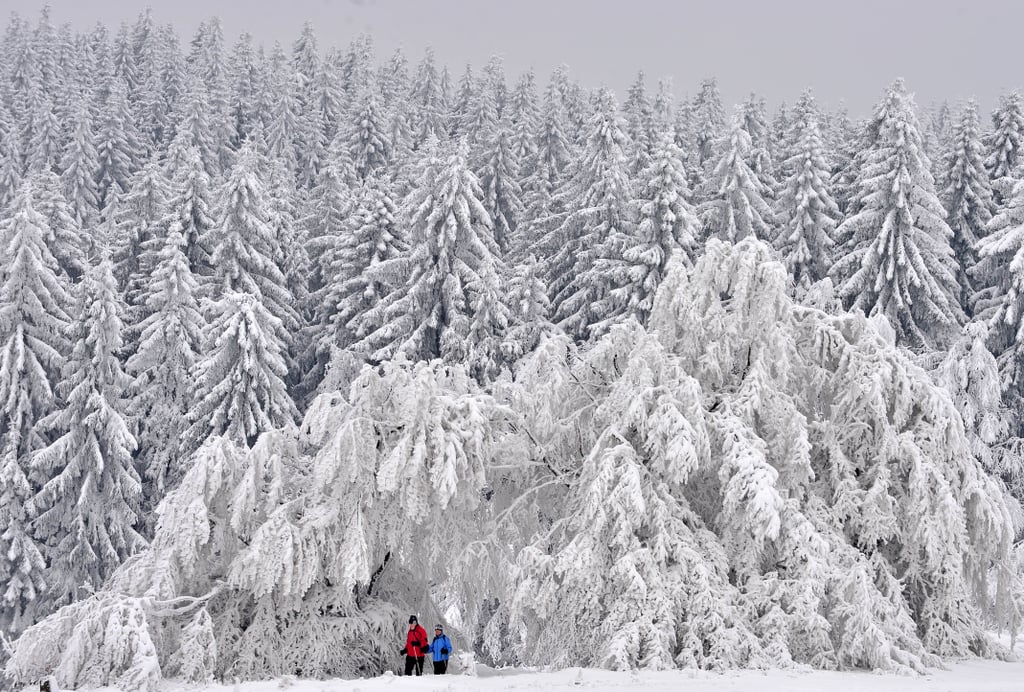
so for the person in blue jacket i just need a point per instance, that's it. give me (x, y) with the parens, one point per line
(440, 649)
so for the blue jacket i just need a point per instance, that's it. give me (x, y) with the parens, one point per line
(442, 642)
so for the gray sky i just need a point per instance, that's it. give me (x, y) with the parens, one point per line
(849, 49)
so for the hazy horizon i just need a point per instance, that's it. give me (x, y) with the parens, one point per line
(948, 50)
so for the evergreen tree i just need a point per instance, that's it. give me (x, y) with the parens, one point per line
(89, 504)
(1003, 150)
(735, 206)
(33, 324)
(708, 117)
(428, 102)
(967, 199)
(188, 208)
(598, 224)
(453, 261)
(244, 245)
(358, 275)
(499, 180)
(524, 115)
(367, 140)
(1000, 298)
(901, 265)
(81, 165)
(44, 145)
(118, 148)
(163, 365)
(754, 119)
(667, 230)
(64, 237)
(138, 236)
(639, 125)
(240, 390)
(806, 211)
(10, 159)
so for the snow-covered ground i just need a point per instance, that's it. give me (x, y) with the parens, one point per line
(968, 676)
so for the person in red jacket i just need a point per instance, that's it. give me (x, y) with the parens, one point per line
(416, 645)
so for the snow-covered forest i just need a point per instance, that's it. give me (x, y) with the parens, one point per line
(298, 340)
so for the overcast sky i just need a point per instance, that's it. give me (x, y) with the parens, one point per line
(843, 49)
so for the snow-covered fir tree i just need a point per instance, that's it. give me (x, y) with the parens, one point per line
(708, 120)
(33, 328)
(734, 205)
(88, 506)
(597, 224)
(499, 180)
(365, 267)
(162, 367)
(452, 261)
(368, 144)
(666, 231)
(1003, 152)
(899, 262)
(239, 381)
(806, 211)
(999, 301)
(244, 246)
(967, 198)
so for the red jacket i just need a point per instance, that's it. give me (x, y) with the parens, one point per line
(416, 641)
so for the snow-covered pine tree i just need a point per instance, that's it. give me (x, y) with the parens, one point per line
(240, 390)
(900, 264)
(754, 119)
(428, 113)
(137, 238)
(88, 507)
(244, 247)
(971, 375)
(364, 268)
(524, 116)
(118, 147)
(667, 230)
(193, 129)
(639, 118)
(367, 137)
(708, 118)
(33, 325)
(999, 301)
(967, 199)
(1003, 152)
(65, 238)
(805, 211)
(80, 166)
(188, 207)
(734, 205)
(453, 260)
(499, 180)
(529, 308)
(326, 211)
(597, 224)
(10, 159)
(162, 368)
(542, 176)
(43, 150)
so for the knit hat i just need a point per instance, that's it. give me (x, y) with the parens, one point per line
(438, 627)
(412, 619)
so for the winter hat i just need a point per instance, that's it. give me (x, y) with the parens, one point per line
(438, 627)
(412, 619)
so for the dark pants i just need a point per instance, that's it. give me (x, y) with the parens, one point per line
(414, 663)
(440, 667)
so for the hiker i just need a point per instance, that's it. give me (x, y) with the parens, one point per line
(441, 649)
(415, 647)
